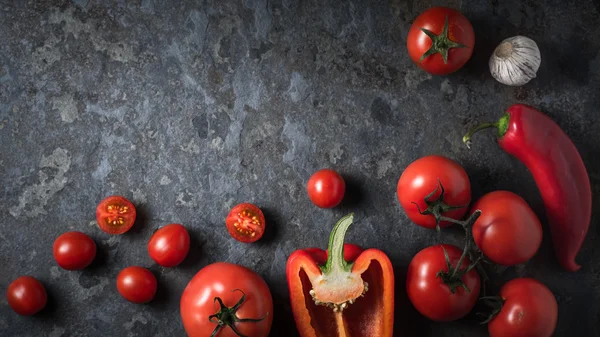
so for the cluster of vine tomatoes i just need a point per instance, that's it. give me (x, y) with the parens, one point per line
(441, 281)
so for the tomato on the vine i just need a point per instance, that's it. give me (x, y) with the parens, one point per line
(74, 250)
(169, 245)
(528, 309)
(440, 40)
(508, 232)
(115, 215)
(245, 223)
(136, 284)
(424, 176)
(432, 294)
(326, 188)
(220, 294)
(26, 295)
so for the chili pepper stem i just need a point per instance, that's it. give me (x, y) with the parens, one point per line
(501, 125)
(337, 287)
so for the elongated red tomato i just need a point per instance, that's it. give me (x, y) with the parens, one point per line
(245, 223)
(136, 284)
(529, 310)
(169, 245)
(221, 294)
(26, 295)
(429, 293)
(424, 176)
(74, 250)
(115, 215)
(508, 232)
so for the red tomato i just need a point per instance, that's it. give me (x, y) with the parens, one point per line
(326, 188)
(74, 250)
(245, 223)
(26, 295)
(115, 215)
(169, 245)
(228, 283)
(529, 309)
(508, 232)
(136, 284)
(456, 41)
(421, 177)
(430, 295)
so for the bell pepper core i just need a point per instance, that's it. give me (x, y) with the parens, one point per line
(341, 298)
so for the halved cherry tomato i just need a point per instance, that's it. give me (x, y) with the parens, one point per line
(245, 223)
(326, 188)
(74, 250)
(169, 245)
(136, 284)
(115, 215)
(26, 295)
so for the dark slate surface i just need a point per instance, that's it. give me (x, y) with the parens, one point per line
(189, 107)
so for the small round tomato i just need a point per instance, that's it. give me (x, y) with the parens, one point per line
(136, 284)
(529, 309)
(74, 250)
(115, 215)
(26, 295)
(440, 40)
(429, 293)
(422, 177)
(218, 289)
(245, 223)
(508, 232)
(169, 245)
(326, 188)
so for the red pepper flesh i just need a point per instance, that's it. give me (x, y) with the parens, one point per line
(558, 170)
(342, 292)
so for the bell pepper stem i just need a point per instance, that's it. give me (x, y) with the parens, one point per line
(335, 258)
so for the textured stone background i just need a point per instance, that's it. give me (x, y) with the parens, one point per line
(189, 107)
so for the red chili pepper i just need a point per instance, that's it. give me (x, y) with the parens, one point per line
(335, 297)
(553, 160)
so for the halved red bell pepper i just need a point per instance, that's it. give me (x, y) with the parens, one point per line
(344, 292)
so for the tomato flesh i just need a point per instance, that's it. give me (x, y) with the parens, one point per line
(169, 245)
(74, 250)
(136, 284)
(115, 215)
(26, 295)
(246, 223)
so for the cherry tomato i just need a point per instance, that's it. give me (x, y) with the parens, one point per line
(428, 292)
(326, 188)
(422, 177)
(245, 223)
(136, 284)
(453, 35)
(508, 232)
(74, 250)
(529, 309)
(169, 245)
(115, 215)
(231, 284)
(26, 295)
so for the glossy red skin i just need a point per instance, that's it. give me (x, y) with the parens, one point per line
(430, 295)
(103, 215)
(421, 177)
(235, 216)
(74, 250)
(326, 188)
(560, 174)
(459, 30)
(529, 310)
(137, 284)
(169, 245)
(508, 232)
(219, 280)
(26, 295)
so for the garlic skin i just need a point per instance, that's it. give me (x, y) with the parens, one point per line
(515, 61)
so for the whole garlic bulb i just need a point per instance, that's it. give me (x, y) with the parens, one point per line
(515, 61)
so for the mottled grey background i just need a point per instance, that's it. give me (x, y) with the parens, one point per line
(189, 107)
